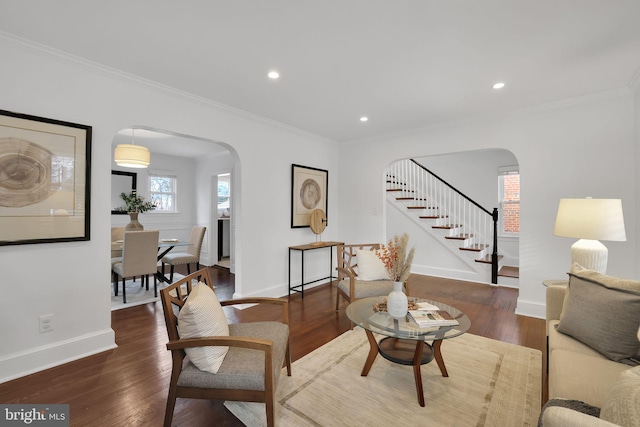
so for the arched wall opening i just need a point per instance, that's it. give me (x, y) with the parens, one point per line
(195, 163)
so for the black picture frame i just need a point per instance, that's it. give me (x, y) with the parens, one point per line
(45, 180)
(309, 191)
(122, 182)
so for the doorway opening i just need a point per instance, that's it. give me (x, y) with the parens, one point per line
(224, 220)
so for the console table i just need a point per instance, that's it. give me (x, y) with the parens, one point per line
(302, 249)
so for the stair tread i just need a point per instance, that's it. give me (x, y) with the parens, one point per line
(433, 216)
(487, 259)
(475, 248)
(509, 271)
(459, 237)
(446, 226)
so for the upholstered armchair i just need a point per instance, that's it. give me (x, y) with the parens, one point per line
(361, 274)
(237, 362)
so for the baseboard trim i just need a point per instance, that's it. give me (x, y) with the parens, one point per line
(38, 359)
(467, 276)
(531, 309)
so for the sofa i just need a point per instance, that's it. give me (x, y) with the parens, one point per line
(592, 348)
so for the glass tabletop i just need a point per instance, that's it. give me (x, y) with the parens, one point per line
(361, 313)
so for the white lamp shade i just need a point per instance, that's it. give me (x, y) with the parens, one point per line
(132, 156)
(593, 219)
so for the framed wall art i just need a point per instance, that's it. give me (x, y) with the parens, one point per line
(308, 192)
(45, 170)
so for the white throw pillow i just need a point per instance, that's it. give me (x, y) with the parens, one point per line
(370, 267)
(202, 316)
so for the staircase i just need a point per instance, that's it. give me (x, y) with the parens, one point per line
(444, 212)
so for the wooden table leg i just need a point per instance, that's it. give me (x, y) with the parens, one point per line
(438, 356)
(417, 374)
(373, 352)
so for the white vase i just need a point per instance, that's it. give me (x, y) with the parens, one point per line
(397, 302)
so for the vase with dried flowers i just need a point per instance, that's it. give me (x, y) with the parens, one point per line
(397, 261)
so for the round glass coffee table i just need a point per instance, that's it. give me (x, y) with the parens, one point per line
(404, 342)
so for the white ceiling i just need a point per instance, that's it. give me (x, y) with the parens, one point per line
(403, 63)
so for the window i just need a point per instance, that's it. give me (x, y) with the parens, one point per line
(509, 191)
(162, 189)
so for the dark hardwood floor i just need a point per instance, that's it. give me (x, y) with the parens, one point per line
(128, 386)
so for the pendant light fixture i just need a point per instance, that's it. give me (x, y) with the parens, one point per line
(131, 155)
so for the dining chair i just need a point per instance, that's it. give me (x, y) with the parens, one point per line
(139, 258)
(191, 256)
(247, 370)
(117, 233)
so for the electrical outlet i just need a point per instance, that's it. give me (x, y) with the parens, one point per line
(46, 323)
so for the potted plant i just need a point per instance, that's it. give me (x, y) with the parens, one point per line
(134, 205)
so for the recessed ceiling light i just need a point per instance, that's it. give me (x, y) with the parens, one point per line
(498, 85)
(364, 118)
(273, 74)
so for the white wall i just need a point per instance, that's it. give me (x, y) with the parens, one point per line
(577, 149)
(64, 279)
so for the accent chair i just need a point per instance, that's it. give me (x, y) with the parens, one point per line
(237, 362)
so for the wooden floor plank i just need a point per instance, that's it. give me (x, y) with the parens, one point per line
(128, 385)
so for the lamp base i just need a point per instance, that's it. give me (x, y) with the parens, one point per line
(590, 254)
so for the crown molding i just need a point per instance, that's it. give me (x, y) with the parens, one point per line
(114, 73)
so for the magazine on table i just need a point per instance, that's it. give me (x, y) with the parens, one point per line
(431, 315)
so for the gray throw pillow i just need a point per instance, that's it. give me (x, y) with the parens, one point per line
(603, 312)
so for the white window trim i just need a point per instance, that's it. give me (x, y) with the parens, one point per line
(154, 174)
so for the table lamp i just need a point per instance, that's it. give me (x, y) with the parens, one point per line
(590, 220)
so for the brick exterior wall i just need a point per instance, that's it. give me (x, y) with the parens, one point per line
(511, 211)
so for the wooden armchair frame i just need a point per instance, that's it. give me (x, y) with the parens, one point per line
(348, 268)
(177, 347)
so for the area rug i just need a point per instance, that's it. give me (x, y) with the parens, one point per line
(136, 294)
(490, 383)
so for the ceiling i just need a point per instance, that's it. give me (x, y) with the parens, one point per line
(403, 63)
